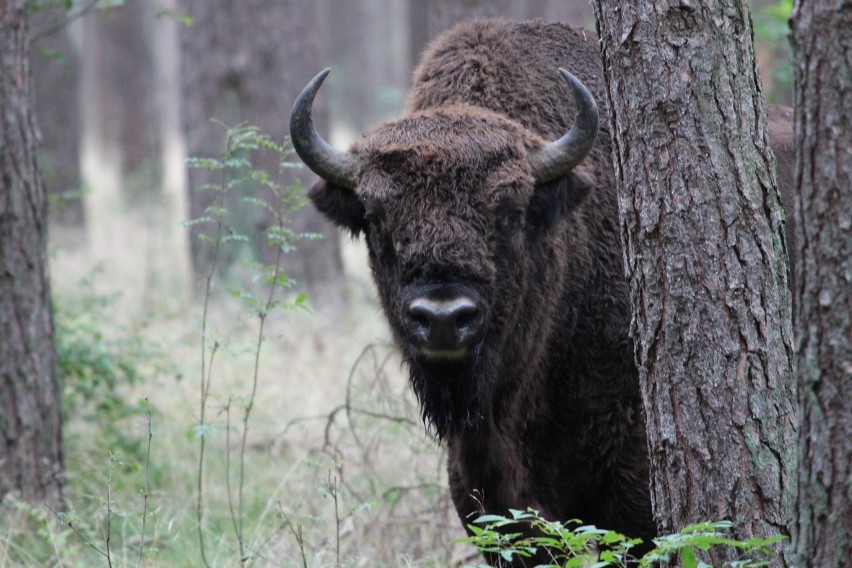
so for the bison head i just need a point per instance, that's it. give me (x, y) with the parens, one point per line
(455, 204)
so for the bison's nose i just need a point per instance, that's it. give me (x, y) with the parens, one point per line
(445, 324)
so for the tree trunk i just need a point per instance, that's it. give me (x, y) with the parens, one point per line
(168, 252)
(31, 461)
(246, 61)
(822, 32)
(118, 130)
(702, 227)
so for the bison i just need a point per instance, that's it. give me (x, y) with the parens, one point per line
(490, 217)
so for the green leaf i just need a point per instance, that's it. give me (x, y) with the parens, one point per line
(204, 164)
(182, 19)
(687, 558)
(490, 519)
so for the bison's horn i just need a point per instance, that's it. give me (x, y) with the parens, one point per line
(326, 161)
(559, 157)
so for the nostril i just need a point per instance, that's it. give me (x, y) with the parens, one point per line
(419, 320)
(469, 324)
(467, 317)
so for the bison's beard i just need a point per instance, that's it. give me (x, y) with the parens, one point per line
(449, 396)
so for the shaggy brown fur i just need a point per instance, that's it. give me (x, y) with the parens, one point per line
(547, 414)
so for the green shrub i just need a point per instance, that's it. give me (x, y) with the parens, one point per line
(99, 362)
(574, 545)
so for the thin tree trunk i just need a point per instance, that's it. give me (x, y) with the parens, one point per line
(702, 227)
(115, 127)
(132, 152)
(822, 33)
(168, 254)
(31, 460)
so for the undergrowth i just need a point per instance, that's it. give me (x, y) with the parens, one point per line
(572, 544)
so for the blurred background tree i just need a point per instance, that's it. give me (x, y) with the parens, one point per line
(245, 61)
(126, 90)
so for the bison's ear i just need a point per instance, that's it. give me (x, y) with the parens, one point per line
(340, 205)
(554, 199)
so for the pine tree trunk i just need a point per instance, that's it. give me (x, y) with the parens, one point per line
(822, 32)
(31, 461)
(702, 227)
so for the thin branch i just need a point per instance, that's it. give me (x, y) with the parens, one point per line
(109, 510)
(234, 518)
(333, 490)
(206, 370)
(296, 531)
(145, 490)
(70, 525)
(276, 271)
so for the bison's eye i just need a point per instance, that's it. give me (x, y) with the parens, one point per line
(376, 221)
(375, 215)
(381, 242)
(509, 218)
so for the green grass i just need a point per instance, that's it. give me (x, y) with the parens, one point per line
(335, 450)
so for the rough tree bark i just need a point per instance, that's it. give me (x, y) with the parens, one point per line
(702, 227)
(245, 61)
(31, 460)
(822, 34)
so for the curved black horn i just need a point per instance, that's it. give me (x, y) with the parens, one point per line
(559, 157)
(326, 161)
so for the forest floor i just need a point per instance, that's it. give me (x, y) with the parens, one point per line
(337, 468)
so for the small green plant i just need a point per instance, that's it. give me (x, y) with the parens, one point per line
(99, 361)
(574, 545)
(241, 181)
(109, 525)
